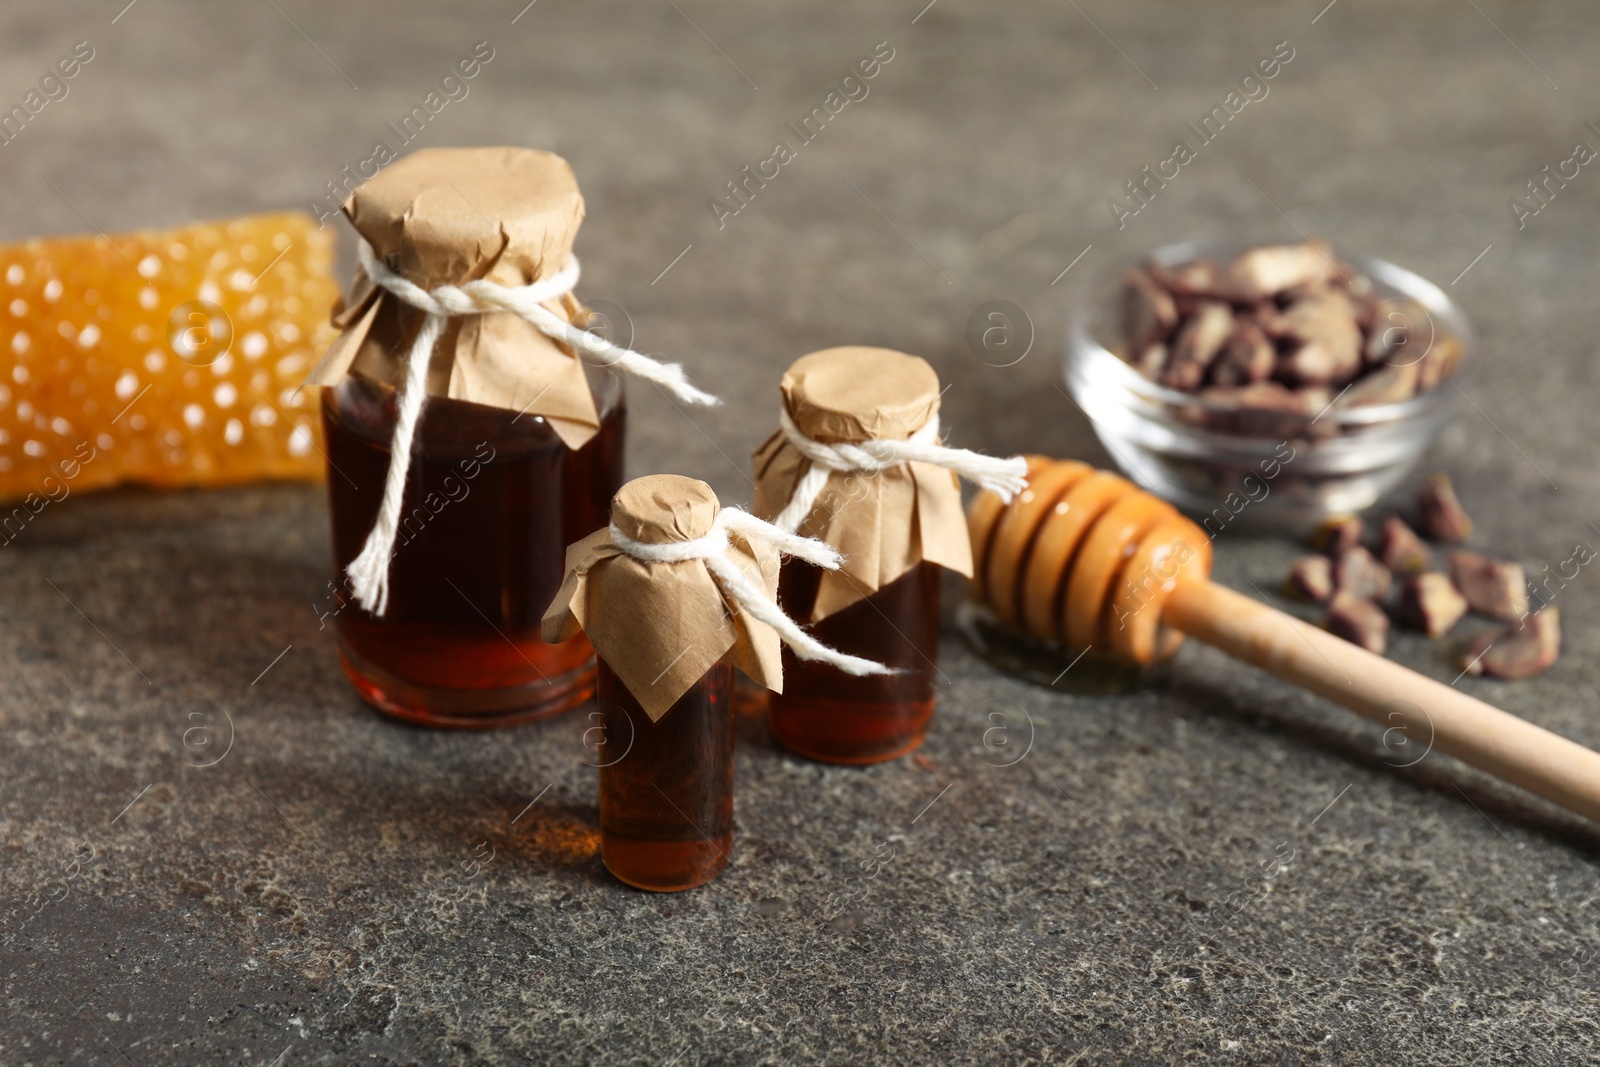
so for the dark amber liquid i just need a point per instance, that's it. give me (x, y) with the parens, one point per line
(828, 715)
(666, 787)
(492, 500)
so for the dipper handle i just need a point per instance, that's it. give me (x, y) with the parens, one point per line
(1430, 713)
(1084, 559)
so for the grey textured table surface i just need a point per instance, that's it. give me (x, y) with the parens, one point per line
(312, 897)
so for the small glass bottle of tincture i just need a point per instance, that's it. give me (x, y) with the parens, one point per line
(666, 784)
(653, 594)
(446, 566)
(895, 523)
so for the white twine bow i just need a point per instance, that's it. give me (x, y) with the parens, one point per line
(369, 571)
(1003, 477)
(712, 551)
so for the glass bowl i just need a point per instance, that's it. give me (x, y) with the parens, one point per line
(1249, 468)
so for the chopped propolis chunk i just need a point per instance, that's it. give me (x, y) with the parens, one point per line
(1359, 573)
(1496, 588)
(1311, 578)
(1431, 603)
(1403, 551)
(1443, 517)
(1519, 651)
(1361, 622)
(168, 358)
(1338, 536)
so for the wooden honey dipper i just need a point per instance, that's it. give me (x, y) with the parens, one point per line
(1086, 560)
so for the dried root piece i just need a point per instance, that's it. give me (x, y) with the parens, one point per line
(1148, 312)
(1439, 364)
(1151, 360)
(1361, 622)
(1324, 327)
(1517, 651)
(1492, 587)
(1384, 385)
(1197, 343)
(1261, 272)
(1443, 517)
(1264, 396)
(1247, 357)
(1199, 278)
(1431, 603)
(1400, 332)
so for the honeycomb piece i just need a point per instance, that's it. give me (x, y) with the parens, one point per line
(167, 358)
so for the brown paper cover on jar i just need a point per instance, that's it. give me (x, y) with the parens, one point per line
(446, 216)
(661, 625)
(885, 522)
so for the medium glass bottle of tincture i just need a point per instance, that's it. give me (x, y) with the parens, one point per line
(828, 715)
(666, 787)
(900, 525)
(492, 499)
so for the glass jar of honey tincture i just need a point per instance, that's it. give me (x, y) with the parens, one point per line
(460, 356)
(856, 462)
(674, 595)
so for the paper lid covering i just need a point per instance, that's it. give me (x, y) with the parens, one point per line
(664, 508)
(885, 522)
(857, 394)
(661, 625)
(445, 216)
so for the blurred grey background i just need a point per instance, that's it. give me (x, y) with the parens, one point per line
(320, 895)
